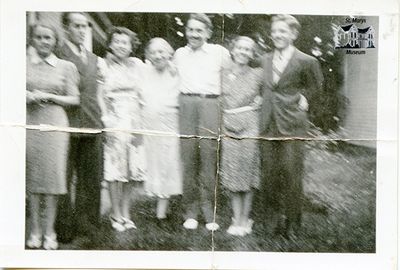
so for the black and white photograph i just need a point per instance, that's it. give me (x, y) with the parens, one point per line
(230, 132)
(265, 98)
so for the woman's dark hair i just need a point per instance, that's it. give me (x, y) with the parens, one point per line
(135, 42)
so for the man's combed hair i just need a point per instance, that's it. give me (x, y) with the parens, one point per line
(289, 20)
(201, 17)
(65, 18)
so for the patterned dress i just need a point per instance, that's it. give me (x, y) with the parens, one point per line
(124, 158)
(160, 113)
(240, 161)
(47, 152)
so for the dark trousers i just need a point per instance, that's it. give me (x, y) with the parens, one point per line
(282, 163)
(199, 116)
(80, 209)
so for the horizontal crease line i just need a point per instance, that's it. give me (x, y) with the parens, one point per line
(50, 128)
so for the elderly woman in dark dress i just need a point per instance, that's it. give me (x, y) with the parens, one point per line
(51, 85)
(240, 164)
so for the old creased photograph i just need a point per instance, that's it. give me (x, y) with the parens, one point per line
(276, 89)
(200, 132)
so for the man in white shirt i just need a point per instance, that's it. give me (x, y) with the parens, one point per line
(199, 65)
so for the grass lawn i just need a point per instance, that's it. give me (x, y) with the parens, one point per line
(338, 178)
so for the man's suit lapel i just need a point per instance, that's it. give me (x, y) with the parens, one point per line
(73, 57)
(268, 71)
(291, 65)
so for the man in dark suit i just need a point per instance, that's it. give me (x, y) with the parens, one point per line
(291, 78)
(86, 151)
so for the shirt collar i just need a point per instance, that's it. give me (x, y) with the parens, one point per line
(75, 49)
(285, 53)
(204, 48)
(36, 59)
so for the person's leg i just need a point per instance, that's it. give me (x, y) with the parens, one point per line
(188, 118)
(34, 203)
(114, 189)
(236, 204)
(127, 192)
(292, 159)
(246, 200)
(90, 175)
(162, 206)
(50, 237)
(65, 223)
(236, 208)
(209, 120)
(50, 213)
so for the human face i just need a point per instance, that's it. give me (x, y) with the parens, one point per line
(243, 52)
(77, 28)
(44, 41)
(158, 55)
(121, 45)
(282, 35)
(197, 33)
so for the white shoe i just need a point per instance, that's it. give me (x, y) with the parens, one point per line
(50, 242)
(249, 225)
(236, 230)
(118, 225)
(34, 241)
(190, 224)
(212, 226)
(233, 230)
(129, 224)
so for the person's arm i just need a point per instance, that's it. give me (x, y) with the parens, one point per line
(64, 101)
(225, 58)
(70, 95)
(31, 97)
(313, 78)
(303, 103)
(101, 71)
(313, 83)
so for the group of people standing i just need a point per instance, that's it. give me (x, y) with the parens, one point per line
(183, 92)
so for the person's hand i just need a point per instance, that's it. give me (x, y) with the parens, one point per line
(42, 96)
(107, 121)
(257, 102)
(172, 68)
(31, 97)
(303, 103)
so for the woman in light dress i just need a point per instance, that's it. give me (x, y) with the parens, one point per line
(119, 100)
(51, 86)
(160, 113)
(240, 161)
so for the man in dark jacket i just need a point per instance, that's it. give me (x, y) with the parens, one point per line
(291, 78)
(86, 151)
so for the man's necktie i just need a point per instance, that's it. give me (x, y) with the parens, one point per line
(277, 68)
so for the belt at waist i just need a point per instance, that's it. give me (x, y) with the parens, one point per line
(200, 95)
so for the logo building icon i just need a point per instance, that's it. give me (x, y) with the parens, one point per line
(352, 37)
